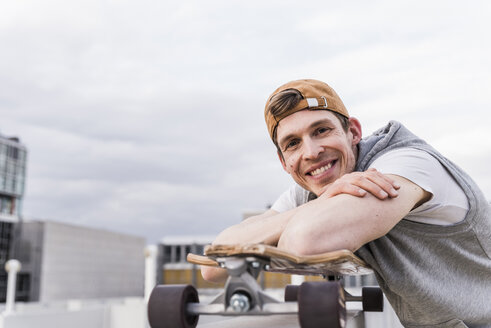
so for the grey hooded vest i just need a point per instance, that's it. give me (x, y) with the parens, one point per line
(433, 276)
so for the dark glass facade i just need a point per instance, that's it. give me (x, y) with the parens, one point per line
(13, 157)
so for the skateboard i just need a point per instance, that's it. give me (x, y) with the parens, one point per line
(317, 304)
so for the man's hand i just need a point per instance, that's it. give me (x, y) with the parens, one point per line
(268, 227)
(347, 222)
(360, 183)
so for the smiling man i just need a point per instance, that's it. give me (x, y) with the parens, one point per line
(429, 241)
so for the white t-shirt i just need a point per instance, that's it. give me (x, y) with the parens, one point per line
(448, 204)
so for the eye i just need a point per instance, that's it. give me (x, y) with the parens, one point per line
(291, 144)
(321, 130)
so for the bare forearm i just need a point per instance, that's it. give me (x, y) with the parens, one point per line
(266, 229)
(328, 226)
(347, 222)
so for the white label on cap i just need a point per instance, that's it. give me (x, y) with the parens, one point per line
(312, 102)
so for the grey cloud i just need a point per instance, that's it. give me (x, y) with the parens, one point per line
(147, 117)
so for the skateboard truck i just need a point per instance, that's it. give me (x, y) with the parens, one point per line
(242, 294)
(318, 304)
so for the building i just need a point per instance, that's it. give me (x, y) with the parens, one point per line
(61, 261)
(172, 265)
(13, 157)
(64, 261)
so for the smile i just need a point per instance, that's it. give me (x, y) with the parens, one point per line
(321, 170)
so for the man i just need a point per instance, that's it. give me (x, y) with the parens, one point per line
(429, 242)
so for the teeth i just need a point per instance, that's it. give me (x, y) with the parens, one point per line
(321, 169)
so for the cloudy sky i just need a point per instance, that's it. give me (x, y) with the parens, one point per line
(146, 117)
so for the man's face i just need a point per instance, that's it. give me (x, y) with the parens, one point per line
(316, 149)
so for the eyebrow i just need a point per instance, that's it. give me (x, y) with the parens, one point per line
(310, 127)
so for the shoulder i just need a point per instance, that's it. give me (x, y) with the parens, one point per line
(413, 164)
(291, 198)
(448, 203)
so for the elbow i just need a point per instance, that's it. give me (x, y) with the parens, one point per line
(297, 240)
(296, 246)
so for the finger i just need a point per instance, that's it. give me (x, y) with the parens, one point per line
(373, 172)
(376, 189)
(386, 187)
(387, 184)
(372, 182)
(340, 187)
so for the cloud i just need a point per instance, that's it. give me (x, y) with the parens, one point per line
(146, 117)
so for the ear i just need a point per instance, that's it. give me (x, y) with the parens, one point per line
(282, 160)
(355, 129)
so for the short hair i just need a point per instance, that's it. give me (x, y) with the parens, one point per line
(288, 99)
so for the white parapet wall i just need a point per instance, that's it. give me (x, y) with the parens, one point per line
(131, 313)
(104, 313)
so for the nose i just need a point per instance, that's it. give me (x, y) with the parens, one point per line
(312, 149)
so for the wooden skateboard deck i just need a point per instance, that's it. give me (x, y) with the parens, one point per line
(341, 262)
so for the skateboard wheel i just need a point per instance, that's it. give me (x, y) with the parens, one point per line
(372, 299)
(291, 292)
(321, 304)
(167, 306)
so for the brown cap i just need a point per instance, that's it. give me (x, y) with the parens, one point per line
(316, 95)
